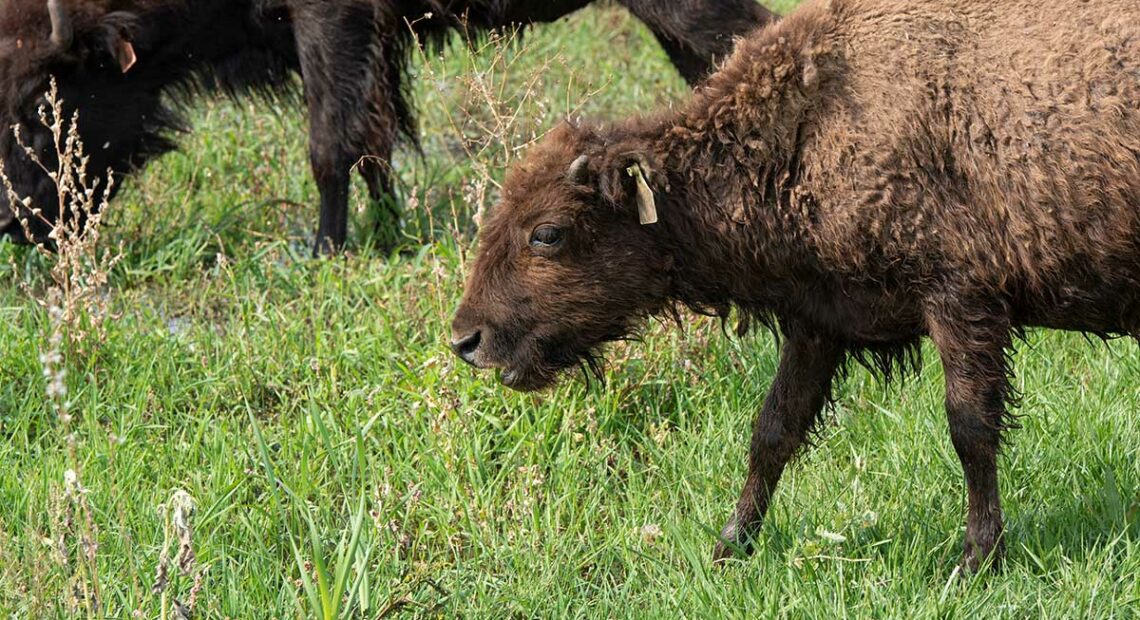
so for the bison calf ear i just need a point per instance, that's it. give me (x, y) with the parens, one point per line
(630, 184)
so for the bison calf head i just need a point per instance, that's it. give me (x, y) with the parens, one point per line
(564, 264)
(88, 51)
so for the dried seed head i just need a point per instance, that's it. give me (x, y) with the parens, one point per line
(182, 512)
(162, 575)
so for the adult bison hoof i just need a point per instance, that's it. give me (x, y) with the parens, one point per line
(731, 544)
(979, 556)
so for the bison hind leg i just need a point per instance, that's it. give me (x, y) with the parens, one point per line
(384, 208)
(973, 341)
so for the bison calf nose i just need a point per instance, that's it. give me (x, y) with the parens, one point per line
(466, 346)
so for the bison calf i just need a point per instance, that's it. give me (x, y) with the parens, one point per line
(861, 175)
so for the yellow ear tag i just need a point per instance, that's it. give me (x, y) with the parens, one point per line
(646, 205)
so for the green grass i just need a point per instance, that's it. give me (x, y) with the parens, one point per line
(312, 410)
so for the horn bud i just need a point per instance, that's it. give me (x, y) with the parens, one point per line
(61, 33)
(579, 169)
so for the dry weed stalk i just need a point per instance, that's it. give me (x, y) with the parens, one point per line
(499, 108)
(178, 532)
(76, 305)
(80, 265)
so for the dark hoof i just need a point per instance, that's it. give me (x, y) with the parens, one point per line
(980, 557)
(730, 546)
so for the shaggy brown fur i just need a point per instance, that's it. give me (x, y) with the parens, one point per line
(863, 174)
(352, 54)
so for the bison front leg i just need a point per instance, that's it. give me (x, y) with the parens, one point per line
(332, 125)
(331, 171)
(353, 109)
(973, 354)
(797, 396)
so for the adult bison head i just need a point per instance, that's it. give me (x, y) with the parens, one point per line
(564, 263)
(89, 52)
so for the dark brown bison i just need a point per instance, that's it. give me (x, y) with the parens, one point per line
(860, 175)
(121, 62)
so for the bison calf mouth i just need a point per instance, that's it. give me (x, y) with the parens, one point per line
(528, 367)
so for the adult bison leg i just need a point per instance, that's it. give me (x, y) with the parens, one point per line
(973, 346)
(698, 33)
(385, 211)
(329, 158)
(338, 48)
(390, 117)
(797, 396)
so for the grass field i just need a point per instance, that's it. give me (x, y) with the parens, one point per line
(312, 411)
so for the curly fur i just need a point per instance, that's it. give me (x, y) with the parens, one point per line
(864, 173)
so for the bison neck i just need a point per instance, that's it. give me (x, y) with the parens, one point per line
(732, 192)
(727, 245)
(737, 217)
(744, 246)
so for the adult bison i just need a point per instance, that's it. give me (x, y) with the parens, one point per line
(861, 175)
(122, 61)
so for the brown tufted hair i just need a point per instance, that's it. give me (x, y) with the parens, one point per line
(861, 175)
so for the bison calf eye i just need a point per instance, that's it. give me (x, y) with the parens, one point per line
(546, 236)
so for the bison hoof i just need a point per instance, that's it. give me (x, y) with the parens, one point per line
(731, 545)
(979, 557)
